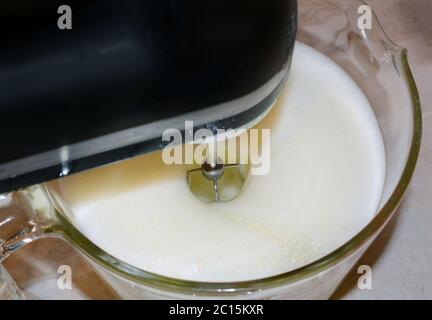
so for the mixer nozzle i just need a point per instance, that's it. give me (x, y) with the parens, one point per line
(215, 181)
(213, 172)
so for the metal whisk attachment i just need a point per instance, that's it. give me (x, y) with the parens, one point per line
(215, 181)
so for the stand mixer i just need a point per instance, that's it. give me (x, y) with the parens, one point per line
(107, 89)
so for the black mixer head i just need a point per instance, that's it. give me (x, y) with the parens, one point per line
(106, 90)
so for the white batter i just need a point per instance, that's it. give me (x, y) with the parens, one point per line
(325, 182)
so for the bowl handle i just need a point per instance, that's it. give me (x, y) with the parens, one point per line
(25, 216)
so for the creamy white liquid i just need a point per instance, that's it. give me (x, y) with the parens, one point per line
(324, 185)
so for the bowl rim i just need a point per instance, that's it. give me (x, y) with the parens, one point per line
(66, 230)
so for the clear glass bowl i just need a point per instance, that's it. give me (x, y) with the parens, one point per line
(380, 68)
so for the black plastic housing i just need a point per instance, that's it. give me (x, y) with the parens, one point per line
(126, 64)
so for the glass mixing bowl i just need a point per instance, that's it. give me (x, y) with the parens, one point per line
(379, 67)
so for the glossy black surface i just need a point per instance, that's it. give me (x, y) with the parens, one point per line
(127, 63)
